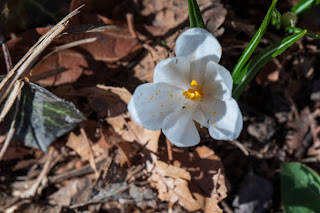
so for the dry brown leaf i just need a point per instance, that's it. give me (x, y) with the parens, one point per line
(219, 192)
(64, 195)
(110, 103)
(301, 126)
(78, 144)
(170, 14)
(91, 60)
(201, 164)
(144, 69)
(172, 185)
(171, 171)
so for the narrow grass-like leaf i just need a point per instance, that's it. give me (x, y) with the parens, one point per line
(252, 44)
(300, 188)
(195, 15)
(304, 5)
(257, 62)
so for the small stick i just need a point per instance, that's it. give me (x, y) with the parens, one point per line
(68, 46)
(169, 148)
(129, 18)
(11, 99)
(240, 146)
(170, 210)
(133, 33)
(12, 129)
(226, 207)
(7, 57)
(46, 168)
(87, 169)
(24, 65)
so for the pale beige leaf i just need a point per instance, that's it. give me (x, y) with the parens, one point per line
(110, 103)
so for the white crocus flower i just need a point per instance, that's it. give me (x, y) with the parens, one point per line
(189, 87)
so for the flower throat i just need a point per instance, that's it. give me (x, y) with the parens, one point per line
(194, 94)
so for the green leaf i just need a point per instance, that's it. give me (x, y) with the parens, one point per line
(304, 5)
(257, 62)
(43, 117)
(300, 188)
(298, 30)
(195, 17)
(236, 73)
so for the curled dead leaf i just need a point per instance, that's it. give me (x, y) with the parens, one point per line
(172, 185)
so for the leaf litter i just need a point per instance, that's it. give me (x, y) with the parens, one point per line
(108, 162)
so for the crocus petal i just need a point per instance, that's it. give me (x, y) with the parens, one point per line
(151, 103)
(213, 110)
(230, 125)
(198, 43)
(198, 69)
(174, 71)
(199, 117)
(217, 81)
(179, 128)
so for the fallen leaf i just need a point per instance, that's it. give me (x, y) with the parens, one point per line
(172, 185)
(88, 63)
(98, 144)
(43, 117)
(219, 192)
(168, 15)
(78, 144)
(110, 103)
(202, 165)
(301, 126)
(64, 195)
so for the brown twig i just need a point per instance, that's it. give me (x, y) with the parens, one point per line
(133, 33)
(226, 207)
(169, 148)
(42, 177)
(12, 129)
(24, 65)
(87, 169)
(11, 99)
(240, 146)
(68, 46)
(7, 57)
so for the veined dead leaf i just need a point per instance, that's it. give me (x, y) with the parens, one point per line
(110, 103)
(172, 185)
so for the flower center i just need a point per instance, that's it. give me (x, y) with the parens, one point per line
(195, 93)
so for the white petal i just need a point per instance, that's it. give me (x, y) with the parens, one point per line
(198, 69)
(174, 71)
(199, 117)
(180, 129)
(198, 43)
(230, 125)
(213, 110)
(217, 81)
(151, 103)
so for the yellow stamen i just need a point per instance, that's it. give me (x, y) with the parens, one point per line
(194, 94)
